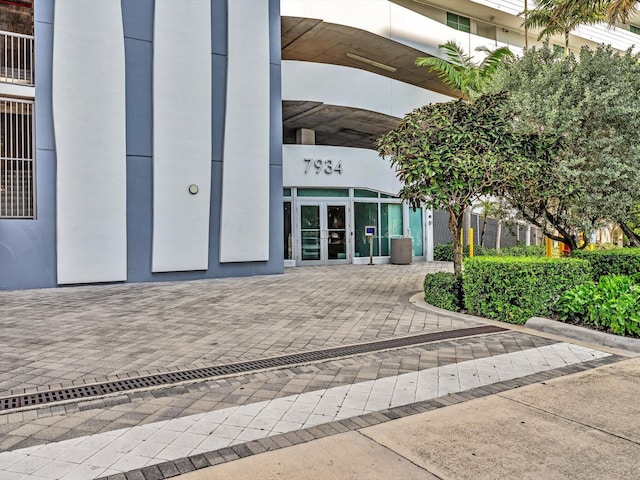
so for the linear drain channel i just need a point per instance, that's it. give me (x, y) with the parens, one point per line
(96, 390)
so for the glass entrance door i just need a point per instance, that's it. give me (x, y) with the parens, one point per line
(324, 238)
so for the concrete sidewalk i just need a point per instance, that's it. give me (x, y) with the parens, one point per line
(580, 426)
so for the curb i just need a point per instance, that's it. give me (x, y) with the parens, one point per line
(545, 327)
(584, 334)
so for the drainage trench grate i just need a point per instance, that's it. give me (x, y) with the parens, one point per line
(88, 391)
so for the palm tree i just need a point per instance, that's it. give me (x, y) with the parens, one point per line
(619, 10)
(559, 17)
(459, 72)
(615, 10)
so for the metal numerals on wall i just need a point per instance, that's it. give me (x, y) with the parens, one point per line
(327, 166)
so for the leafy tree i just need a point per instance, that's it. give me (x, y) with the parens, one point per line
(448, 155)
(559, 17)
(594, 104)
(459, 71)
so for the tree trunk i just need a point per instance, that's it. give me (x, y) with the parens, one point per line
(484, 228)
(634, 238)
(455, 227)
(526, 30)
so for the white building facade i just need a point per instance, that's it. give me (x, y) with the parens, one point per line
(151, 140)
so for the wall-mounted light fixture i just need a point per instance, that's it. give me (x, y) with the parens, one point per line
(368, 61)
(193, 189)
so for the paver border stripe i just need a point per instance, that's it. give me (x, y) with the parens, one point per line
(235, 452)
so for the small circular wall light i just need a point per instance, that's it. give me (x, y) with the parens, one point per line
(193, 189)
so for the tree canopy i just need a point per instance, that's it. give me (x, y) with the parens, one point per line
(594, 104)
(448, 155)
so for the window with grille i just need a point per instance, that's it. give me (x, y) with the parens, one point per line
(17, 172)
(459, 22)
(634, 29)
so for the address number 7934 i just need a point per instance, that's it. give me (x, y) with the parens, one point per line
(327, 166)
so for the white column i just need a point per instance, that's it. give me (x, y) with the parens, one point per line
(181, 135)
(88, 90)
(244, 228)
(429, 234)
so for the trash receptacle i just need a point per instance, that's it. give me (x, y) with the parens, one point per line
(401, 250)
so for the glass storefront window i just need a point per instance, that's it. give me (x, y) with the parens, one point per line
(310, 223)
(323, 192)
(365, 194)
(288, 238)
(337, 232)
(365, 214)
(391, 225)
(286, 192)
(415, 224)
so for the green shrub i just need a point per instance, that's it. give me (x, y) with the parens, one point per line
(613, 303)
(443, 290)
(619, 261)
(515, 251)
(513, 289)
(444, 252)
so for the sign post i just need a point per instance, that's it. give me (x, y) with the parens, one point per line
(370, 232)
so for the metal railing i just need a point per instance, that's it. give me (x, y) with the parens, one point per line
(17, 165)
(16, 58)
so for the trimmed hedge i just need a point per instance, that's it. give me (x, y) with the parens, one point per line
(514, 289)
(443, 290)
(514, 251)
(444, 252)
(619, 261)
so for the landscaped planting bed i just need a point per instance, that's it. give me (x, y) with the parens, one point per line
(611, 305)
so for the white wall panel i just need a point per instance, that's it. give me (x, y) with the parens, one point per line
(244, 229)
(351, 87)
(181, 134)
(89, 122)
(361, 168)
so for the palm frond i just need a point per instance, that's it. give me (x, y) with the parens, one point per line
(619, 10)
(455, 54)
(545, 20)
(493, 59)
(448, 73)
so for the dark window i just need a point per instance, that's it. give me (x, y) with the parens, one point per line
(459, 22)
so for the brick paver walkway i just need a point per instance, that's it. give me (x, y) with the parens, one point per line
(82, 335)
(71, 335)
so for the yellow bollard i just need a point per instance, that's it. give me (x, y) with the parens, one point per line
(462, 238)
(591, 247)
(471, 242)
(547, 249)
